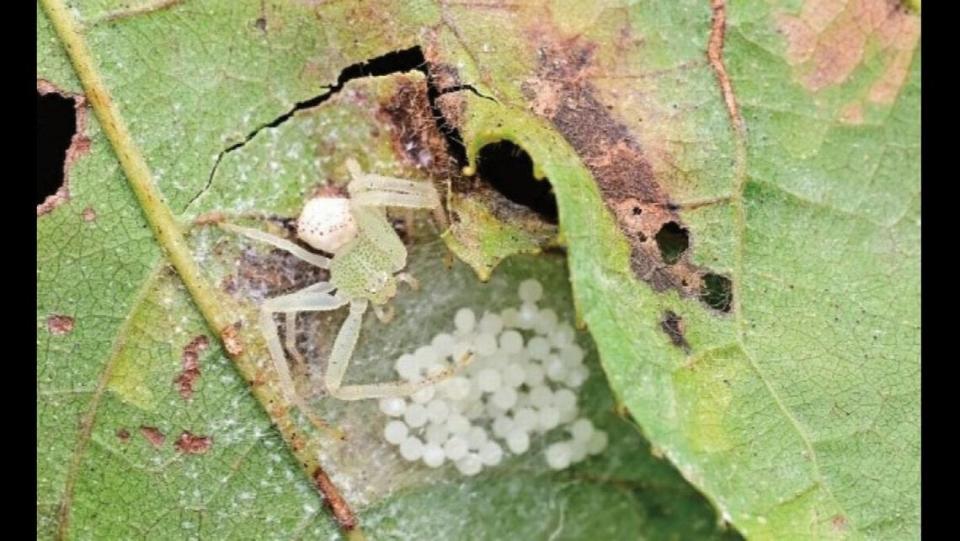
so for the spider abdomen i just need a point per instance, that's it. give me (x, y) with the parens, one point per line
(327, 223)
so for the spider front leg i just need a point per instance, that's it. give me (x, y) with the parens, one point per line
(277, 242)
(343, 348)
(379, 191)
(220, 219)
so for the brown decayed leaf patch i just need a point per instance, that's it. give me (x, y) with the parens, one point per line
(269, 275)
(274, 274)
(828, 40)
(418, 140)
(561, 92)
(414, 134)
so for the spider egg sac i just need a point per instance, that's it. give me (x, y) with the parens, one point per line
(516, 396)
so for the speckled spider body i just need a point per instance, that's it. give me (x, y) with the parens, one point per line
(368, 256)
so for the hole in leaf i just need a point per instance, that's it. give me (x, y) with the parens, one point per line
(392, 62)
(509, 169)
(717, 292)
(56, 124)
(399, 61)
(672, 240)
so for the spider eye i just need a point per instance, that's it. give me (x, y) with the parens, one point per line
(380, 281)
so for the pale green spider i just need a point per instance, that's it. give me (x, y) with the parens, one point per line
(368, 256)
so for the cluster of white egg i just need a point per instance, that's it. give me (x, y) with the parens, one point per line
(522, 384)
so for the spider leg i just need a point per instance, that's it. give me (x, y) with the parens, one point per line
(312, 298)
(343, 348)
(290, 338)
(389, 198)
(400, 388)
(384, 312)
(381, 191)
(277, 242)
(407, 278)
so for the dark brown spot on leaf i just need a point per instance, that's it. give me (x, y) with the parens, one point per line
(123, 435)
(192, 444)
(153, 435)
(190, 366)
(231, 340)
(672, 324)
(59, 325)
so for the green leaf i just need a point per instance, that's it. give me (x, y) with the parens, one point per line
(133, 441)
(781, 138)
(785, 142)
